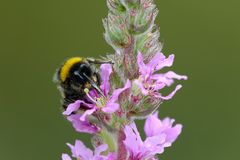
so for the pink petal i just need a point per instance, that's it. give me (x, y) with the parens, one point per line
(87, 113)
(112, 156)
(141, 87)
(166, 62)
(72, 107)
(161, 78)
(158, 86)
(73, 150)
(155, 127)
(80, 150)
(157, 58)
(152, 125)
(158, 95)
(133, 141)
(66, 157)
(141, 65)
(155, 140)
(82, 126)
(168, 78)
(117, 92)
(110, 108)
(75, 106)
(100, 149)
(154, 144)
(106, 70)
(173, 75)
(173, 133)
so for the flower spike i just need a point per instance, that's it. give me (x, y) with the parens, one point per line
(104, 98)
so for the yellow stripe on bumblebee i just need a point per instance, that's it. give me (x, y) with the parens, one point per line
(67, 66)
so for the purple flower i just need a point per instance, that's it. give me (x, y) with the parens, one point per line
(154, 127)
(160, 134)
(103, 101)
(142, 150)
(150, 82)
(80, 151)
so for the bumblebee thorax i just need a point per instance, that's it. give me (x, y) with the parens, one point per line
(67, 66)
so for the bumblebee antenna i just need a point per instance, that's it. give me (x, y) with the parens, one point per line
(94, 84)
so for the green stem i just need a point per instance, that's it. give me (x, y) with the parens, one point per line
(109, 140)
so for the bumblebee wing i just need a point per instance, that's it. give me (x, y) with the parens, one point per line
(56, 78)
(99, 61)
(59, 87)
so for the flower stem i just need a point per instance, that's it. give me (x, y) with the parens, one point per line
(121, 153)
(129, 58)
(108, 139)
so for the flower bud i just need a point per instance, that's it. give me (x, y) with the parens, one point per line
(131, 4)
(116, 31)
(142, 20)
(147, 3)
(149, 44)
(115, 6)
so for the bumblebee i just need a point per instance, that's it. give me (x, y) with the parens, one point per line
(75, 75)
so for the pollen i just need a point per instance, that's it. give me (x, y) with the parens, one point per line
(88, 85)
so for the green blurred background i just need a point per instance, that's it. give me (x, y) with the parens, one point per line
(36, 36)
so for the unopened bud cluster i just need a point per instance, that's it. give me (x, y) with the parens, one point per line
(130, 28)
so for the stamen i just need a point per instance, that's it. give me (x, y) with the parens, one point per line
(88, 95)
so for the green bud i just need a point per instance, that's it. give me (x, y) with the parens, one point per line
(147, 3)
(115, 6)
(116, 31)
(135, 89)
(142, 20)
(148, 43)
(131, 4)
(142, 114)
